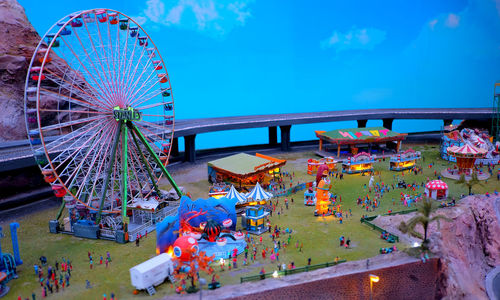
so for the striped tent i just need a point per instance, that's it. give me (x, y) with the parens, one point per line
(234, 194)
(466, 155)
(467, 151)
(258, 194)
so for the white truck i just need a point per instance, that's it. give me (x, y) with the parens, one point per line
(152, 272)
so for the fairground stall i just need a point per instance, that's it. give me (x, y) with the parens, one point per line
(359, 163)
(405, 160)
(313, 164)
(350, 141)
(436, 189)
(244, 170)
(253, 219)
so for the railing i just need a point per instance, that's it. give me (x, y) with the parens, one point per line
(291, 271)
(167, 211)
(292, 190)
(109, 233)
(133, 233)
(367, 221)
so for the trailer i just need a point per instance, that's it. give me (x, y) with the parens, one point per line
(152, 272)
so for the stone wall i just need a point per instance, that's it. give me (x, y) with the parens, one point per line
(401, 277)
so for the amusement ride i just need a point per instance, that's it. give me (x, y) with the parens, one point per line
(100, 116)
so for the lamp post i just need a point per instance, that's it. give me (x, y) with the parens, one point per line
(373, 278)
(202, 283)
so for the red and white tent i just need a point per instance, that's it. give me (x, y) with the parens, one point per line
(436, 189)
(466, 151)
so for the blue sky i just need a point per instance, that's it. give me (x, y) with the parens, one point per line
(256, 57)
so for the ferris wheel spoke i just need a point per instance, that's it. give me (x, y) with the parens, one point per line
(109, 85)
(150, 81)
(122, 59)
(80, 92)
(101, 164)
(104, 52)
(141, 108)
(145, 98)
(112, 53)
(104, 91)
(87, 83)
(71, 123)
(70, 161)
(75, 150)
(89, 152)
(132, 80)
(127, 68)
(79, 133)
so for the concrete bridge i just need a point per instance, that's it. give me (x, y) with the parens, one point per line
(17, 154)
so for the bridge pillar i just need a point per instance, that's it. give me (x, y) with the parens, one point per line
(447, 122)
(175, 147)
(362, 123)
(285, 137)
(273, 135)
(387, 123)
(189, 148)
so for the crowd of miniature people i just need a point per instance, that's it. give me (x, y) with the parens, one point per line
(57, 277)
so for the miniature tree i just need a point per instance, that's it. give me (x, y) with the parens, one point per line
(189, 271)
(423, 217)
(468, 183)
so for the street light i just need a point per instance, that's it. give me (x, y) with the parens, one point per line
(373, 278)
(202, 283)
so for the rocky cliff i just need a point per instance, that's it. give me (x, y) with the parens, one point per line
(469, 245)
(19, 40)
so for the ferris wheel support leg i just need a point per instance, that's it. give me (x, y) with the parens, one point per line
(144, 162)
(124, 175)
(157, 159)
(59, 212)
(108, 174)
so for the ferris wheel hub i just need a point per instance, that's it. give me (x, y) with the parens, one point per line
(126, 114)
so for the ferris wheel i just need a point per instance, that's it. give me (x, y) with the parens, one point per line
(100, 112)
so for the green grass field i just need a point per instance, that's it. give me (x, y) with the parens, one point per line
(319, 236)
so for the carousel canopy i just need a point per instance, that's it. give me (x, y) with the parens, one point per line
(234, 194)
(436, 185)
(258, 193)
(467, 151)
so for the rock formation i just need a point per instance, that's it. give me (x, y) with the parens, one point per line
(469, 246)
(19, 40)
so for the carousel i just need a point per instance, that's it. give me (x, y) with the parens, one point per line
(466, 156)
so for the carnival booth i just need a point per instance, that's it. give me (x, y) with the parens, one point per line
(354, 139)
(465, 156)
(310, 197)
(436, 189)
(244, 170)
(405, 160)
(359, 163)
(218, 190)
(253, 219)
(313, 164)
(258, 196)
